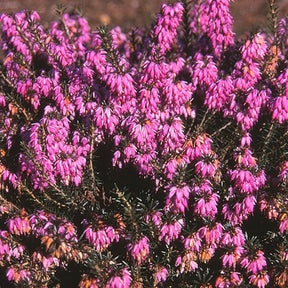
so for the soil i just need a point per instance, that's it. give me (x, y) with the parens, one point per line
(248, 15)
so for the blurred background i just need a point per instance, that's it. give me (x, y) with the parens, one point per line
(248, 14)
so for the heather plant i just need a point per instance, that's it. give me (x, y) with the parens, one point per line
(155, 158)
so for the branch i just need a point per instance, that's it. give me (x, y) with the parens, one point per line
(222, 128)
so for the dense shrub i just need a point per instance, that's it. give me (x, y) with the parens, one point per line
(152, 159)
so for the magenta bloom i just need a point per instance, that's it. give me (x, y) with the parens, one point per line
(161, 274)
(171, 231)
(230, 259)
(19, 226)
(254, 264)
(259, 280)
(122, 281)
(143, 157)
(140, 250)
(101, 238)
(178, 198)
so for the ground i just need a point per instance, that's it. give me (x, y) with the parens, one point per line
(248, 15)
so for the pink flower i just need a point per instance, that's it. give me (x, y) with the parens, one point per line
(254, 49)
(254, 263)
(283, 226)
(219, 94)
(140, 250)
(160, 275)
(167, 23)
(187, 262)
(231, 258)
(228, 279)
(205, 71)
(16, 276)
(204, 169)
(246, 139)
(193, 242)
(178, 198)
(50, 261)
(211, 235)
(101, 238)
(19, 226)
(122, 281)
(259, 280)
(207, 205)
(10, 274)
(170, 232)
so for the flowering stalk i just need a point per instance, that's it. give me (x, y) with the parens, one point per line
(156, 158)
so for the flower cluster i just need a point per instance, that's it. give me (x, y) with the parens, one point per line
(156, 158)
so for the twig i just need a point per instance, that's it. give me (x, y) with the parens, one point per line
(283, 136)
(25, 188)
(204, 118)
(129, 208)
(273, 11)
(222, 128)
(8, 203)
(267, 140)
